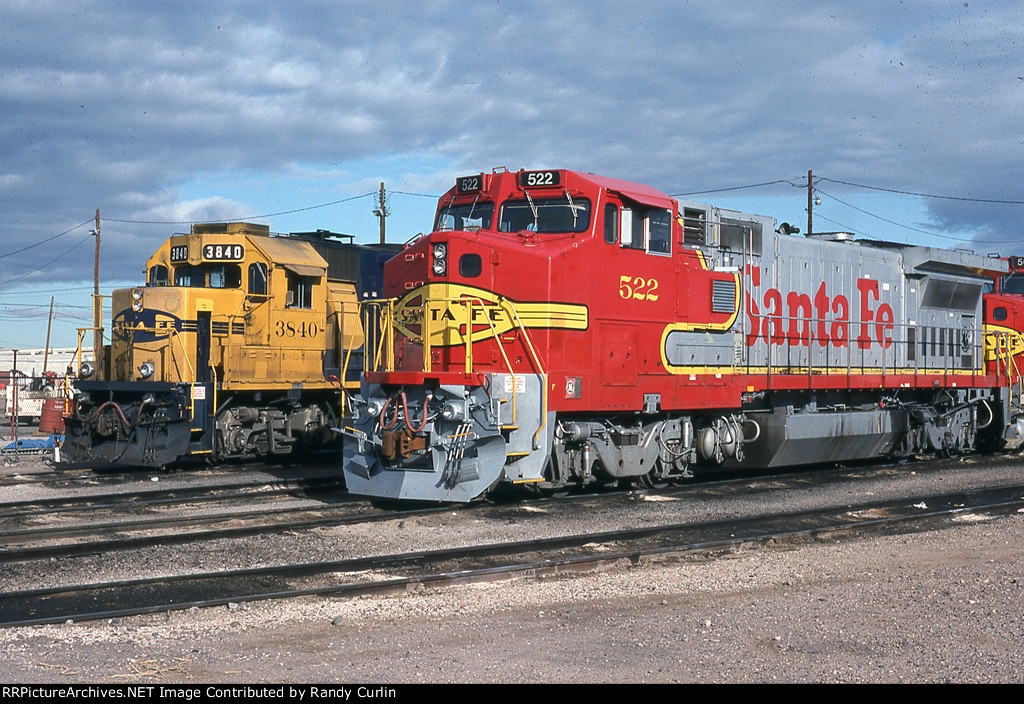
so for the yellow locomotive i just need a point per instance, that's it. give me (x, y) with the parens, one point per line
(237, 346)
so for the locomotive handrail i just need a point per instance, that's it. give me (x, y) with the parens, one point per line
(192, 372)
(213, 375)
(385, 323)
(82, 332)
(1002, 344)
(174, 333)
(508, 364)
(537, 365)
(468, 338)
(780, 353)
(385, 333)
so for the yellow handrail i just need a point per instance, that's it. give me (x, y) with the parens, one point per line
(537, 365)
(1002, 345)
(382, 313)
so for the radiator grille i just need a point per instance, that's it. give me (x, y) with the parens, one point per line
(723, 296)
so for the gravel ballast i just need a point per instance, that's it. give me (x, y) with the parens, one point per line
(944, 606)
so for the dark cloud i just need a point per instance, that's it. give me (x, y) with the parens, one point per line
(116, 105)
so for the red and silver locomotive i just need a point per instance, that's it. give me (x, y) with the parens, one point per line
(558, 327)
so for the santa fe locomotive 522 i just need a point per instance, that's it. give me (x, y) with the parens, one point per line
(234, 347)
(559, 327)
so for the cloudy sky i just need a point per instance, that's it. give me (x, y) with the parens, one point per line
(163, 114)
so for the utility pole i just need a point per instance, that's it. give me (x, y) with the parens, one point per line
(14, 403)
(382, 211)
(810, 201)
(49, 324)
(97, 307)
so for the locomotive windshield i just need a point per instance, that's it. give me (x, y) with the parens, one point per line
(208, 276)
(1013, 283)
(545, 215)
(468, 216)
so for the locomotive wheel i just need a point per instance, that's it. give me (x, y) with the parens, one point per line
(651, 481)
(559, 491)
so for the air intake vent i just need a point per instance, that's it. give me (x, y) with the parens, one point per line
(723, 296)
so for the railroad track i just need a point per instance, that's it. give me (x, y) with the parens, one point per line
(549, 556)
(71, 538)
(25, 473)
(153, 498)
(49, 542)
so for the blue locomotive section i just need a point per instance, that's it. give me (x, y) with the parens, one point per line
(153, 325)
(148, 325)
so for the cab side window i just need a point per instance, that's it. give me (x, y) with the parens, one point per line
(258, 279)
(659, 225)
(611, 223)
(647, 229)
(300, 291)
(158, 275)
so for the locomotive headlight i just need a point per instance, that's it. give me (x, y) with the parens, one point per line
(137, 306)
(374, 406)
(146, 369)
(86, 370)
(452, 411)
(136, 294)
(440, 259)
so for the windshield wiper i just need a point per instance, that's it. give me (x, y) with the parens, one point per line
(533, 208)
(572, 207)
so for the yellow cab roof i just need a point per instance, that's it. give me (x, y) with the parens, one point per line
(294, 255)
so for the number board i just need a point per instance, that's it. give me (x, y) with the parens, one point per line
(535, 179)
(1017, 262)
(469, 184)
(179, 253)
(223, 252)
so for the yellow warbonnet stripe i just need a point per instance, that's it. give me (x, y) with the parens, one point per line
(722, 326)
(454, 307)
(801, 372)
(1010, 342)
(708, 327)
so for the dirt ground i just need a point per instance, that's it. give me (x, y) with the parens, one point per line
(944, 606)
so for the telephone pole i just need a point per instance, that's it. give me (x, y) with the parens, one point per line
(49, 325)
(381, 211)
(810, 201)
(97, 306)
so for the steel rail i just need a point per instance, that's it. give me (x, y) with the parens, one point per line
(121, 543)
(486, 562)
(159, 497)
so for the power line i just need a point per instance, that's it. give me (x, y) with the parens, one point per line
(891, 222)
(423, 195)
(48, 239)
(42, 305)
(243, 217)
(59, 256)
(735, 188)
(845, 228)
(48, 290)
(924, 195)
(914, 229)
